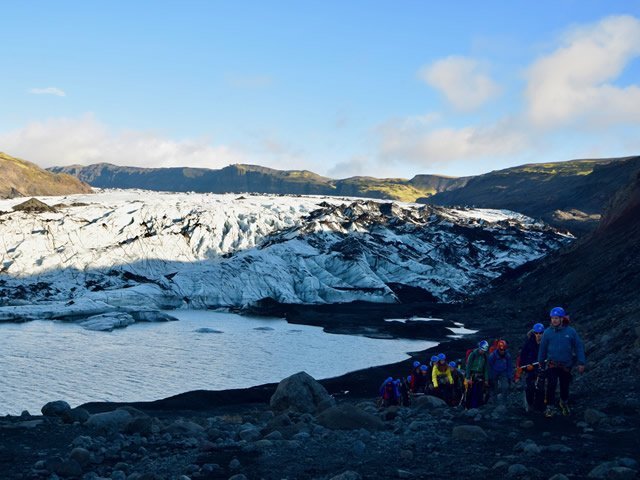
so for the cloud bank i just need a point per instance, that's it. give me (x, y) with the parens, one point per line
(574, 82)
(85, 140)
(48, 91)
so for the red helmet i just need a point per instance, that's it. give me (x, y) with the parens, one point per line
(502, 345)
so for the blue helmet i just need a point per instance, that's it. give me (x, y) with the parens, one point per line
(538, 328)
(434, 359)
(397, 382)
(484, 346)
(453, 364)
(424, 368)
(416, 364)
(409, 379)
(389, 379)
(442, 356)
(557, 312)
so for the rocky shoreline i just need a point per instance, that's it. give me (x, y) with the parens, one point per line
(245, 434)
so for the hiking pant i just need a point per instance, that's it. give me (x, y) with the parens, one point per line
(535, 390)
(476, 394)
(501, 384)
(554, 375)
(445, 392)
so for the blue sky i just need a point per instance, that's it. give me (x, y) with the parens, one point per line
(378, 88)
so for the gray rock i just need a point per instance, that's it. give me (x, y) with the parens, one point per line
(55, 409)
(622, 473)
(212, 469)
(559, 476)
(64, 468)
(558, 448)
(235, 464)
(141, 425)
(406, 455)
(468, 433)
(429, 401)
(419, 425)
(627, 462)
(239, 476)
(390, 413)
(302, 393)
(80, 455)
(78, 414)
(82, 441)
(349, 417)
(528, 446)
(358, 448)
(185, 428)
(282, 420)
(500, 465)
(302, 436)
(404, 474)
(118, 475)
(517, 470)
(275, 435)
(262, 444)
(593, 416)
(249, 434)
(602, 470)
(348, 475)
(114, 421)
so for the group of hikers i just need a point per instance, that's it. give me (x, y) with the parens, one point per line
(546, 359)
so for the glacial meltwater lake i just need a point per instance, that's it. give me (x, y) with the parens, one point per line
(41, 361)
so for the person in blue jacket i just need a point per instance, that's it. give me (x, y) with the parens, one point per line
(534, 394)
(500, 369)
(560, 350)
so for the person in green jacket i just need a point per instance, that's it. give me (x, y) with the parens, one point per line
(477, 376)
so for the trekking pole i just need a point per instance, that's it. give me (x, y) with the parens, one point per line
(524, 367)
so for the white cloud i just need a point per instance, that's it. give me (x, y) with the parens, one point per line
(48, 91)
(573, 83)
(85, 140)
(427, 146)
(462, 80)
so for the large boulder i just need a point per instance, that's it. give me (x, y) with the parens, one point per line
(114, 421)
(302, 393)
(349, 417)
(55, 409)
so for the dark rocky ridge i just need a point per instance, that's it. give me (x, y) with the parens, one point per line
(569, 194)
(255, 179)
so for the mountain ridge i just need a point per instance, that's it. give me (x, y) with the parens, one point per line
(20, 178)
(569, 195)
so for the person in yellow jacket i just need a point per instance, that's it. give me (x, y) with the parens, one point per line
(442, 379)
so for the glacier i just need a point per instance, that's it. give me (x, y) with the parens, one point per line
(142, 251)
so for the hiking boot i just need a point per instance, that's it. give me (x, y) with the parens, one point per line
(564, 406)
(548, 412)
